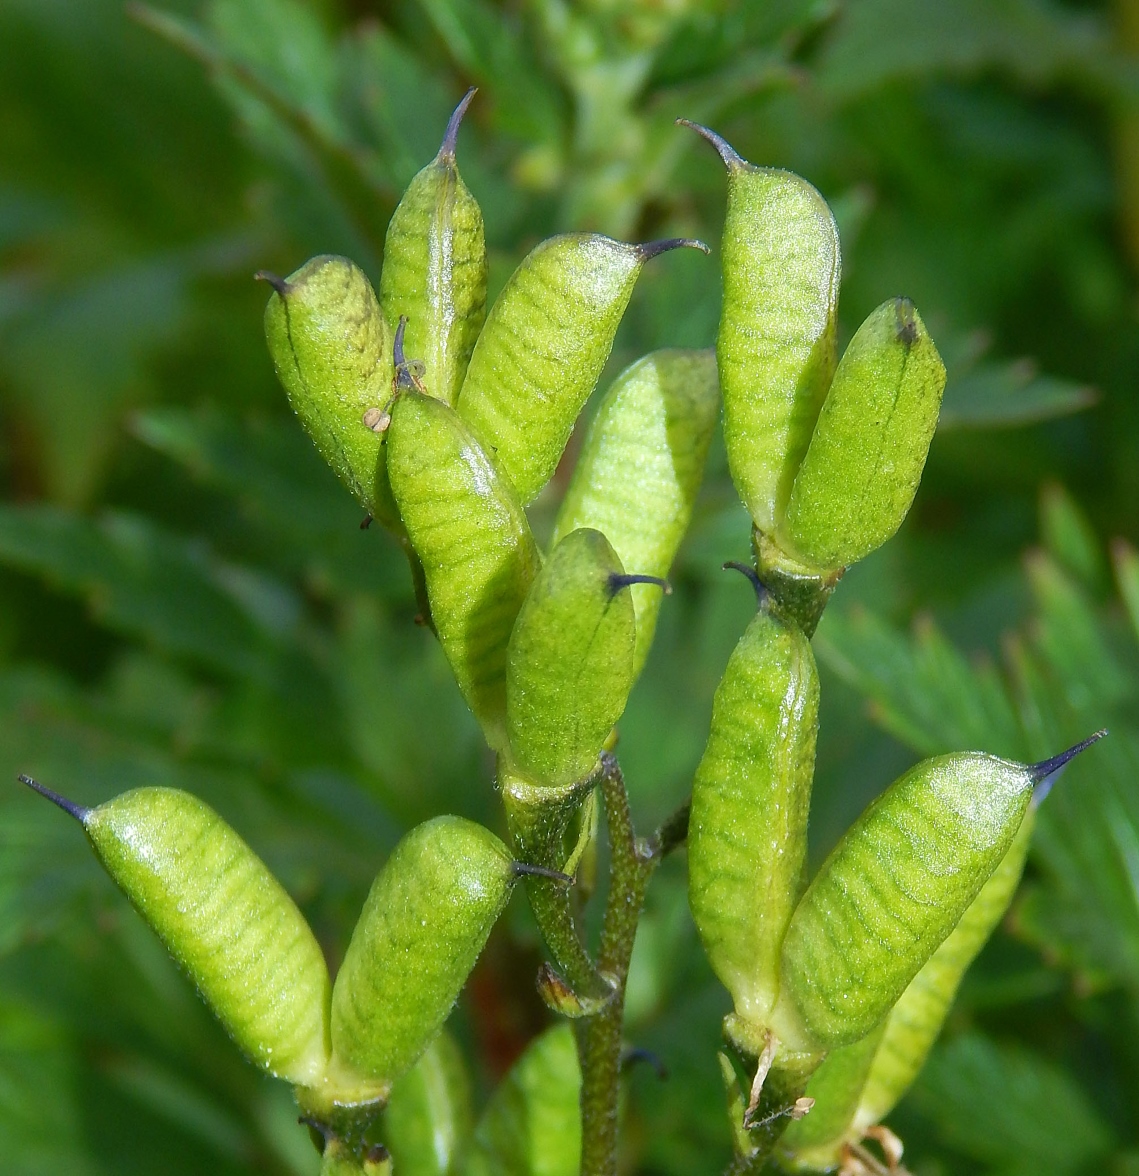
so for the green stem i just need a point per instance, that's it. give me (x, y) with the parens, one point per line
(599, 1038)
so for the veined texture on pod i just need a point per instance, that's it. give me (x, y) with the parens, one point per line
(532, 1125)
(862, 468)
(570, 660)
(471, 535)
(226, 920)
(423, 925)
(545, 343)
(895, 886)
(435, 268)
(428, 1119)
(641, 466)
(747, 834)
(333, 355)
(776, 345)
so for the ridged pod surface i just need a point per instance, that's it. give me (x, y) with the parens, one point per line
(776, 345)
(435, 269)
(747, 834)
(226, 920)
(641, 466)
(471, 535)
(541, 353)
(424, 923)
(570, 661)
(333, 354)
(868, 450)
(532, 1125)
(895, 886)
(428, 1118)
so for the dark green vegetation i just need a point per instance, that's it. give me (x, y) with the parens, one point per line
(187, 599)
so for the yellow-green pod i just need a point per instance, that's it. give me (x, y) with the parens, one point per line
(570, 661)
(540, 355)
(333, 355)
(641, 466)
(532, 1125)
(776, 345)
(428, 1119)
(471, 535)
(424, 923)
(747, 834)
(896, 885)
(916, 1020)
(435, 268)
(866, 457)
(223, 916)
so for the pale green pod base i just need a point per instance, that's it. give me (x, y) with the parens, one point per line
(428, 1119)
(532, 1125)
(747, 834)
(640, 469)
(570, 661)
(541, 353)
(471, 535)
(815, 1140)
(435, 274)
(333, 355)
(776, 345)
(424, 923)
(895, 886)
(226, 920)
(866, 457)
(916, 1020)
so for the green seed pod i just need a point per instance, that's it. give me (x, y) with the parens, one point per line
(474, 542)
(747, 834)
(224, 917)
(333, 355)
(428, 1118)
(532, 1125)
(435, 268)
(866, 457)
(916, 1020)
(895, 886)
(541, 353)
(641, 466)
(776, 346)
(424, 923)
(569, 665)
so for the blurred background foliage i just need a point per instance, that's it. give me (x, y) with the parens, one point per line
(186, 597)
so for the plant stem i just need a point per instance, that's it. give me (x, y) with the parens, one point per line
(599, 1037)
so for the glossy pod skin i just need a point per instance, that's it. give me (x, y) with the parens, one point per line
(223, 916)
(424, 923)
(776, 345)
(428, 1118)
(570, 661)
(532, 1125)
(543, 348)
(866, 456)
(747, 834)
(641, 466)
(471, 535)
(893, 889)
(333, 354)
(435, 268)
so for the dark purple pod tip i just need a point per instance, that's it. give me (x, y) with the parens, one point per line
(732, 159)
(275, 280)
(654, 248)
(761, 593)
(69, 806)
(526, 870)
(619, 580)
(1044, 772)
(451, 135)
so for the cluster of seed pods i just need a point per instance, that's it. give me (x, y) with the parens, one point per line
(446, 421)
